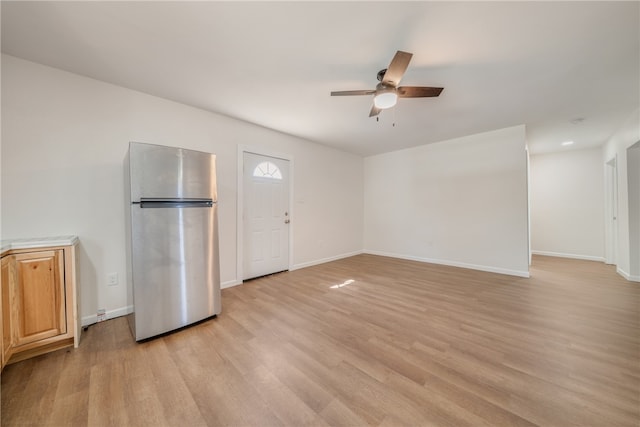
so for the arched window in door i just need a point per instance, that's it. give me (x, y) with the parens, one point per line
(267, 170)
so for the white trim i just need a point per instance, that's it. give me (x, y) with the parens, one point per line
(611, 210)
(530, 254)
(230, 283)
(573, 256)
(324, 260)
(240, 198)
(453, 264)
(627, 275)
(239, 210)
(123, 311)
(111, 314)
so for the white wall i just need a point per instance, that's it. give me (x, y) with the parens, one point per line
(64, 138)
(567, 210)
(460, 202)
(616, 147)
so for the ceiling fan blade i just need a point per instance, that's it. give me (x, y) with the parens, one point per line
(374, 111)
(418, 91)
(353, 92)
(397, 68)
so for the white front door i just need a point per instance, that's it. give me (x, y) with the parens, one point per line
(266, 215)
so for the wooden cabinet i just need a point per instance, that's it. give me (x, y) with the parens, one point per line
(39, 301)
(39, 306)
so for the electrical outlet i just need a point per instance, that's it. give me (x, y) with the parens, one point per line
(102, 314)
(112, 279)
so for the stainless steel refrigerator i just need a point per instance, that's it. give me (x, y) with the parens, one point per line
(172, 238)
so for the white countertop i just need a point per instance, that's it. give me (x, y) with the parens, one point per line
(38, 242)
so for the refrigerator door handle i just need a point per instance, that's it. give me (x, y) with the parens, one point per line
(174, 203)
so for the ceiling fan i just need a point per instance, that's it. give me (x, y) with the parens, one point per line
(387, 92)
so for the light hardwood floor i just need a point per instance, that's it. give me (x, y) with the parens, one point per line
(406, 343)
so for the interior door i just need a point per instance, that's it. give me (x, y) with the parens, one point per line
(266, 217)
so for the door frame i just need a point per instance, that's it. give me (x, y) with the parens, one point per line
(633, 195)
(611, 210)
(240, 204)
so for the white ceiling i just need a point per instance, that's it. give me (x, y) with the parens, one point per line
(274, 63)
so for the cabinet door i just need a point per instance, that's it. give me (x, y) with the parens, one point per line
(5, 309)
(39, 304)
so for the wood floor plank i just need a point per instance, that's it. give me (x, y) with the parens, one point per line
(365, 340)
(338, 414)
(286, 405)
(107, 405)
(71, 400)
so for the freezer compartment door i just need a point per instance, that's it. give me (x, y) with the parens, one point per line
(157, 171)
(176, 274)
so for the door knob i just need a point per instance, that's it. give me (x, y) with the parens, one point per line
(286, 221)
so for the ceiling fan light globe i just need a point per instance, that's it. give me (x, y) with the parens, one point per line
(385, 100)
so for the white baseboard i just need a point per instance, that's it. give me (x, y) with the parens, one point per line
(230, 283)
(123, 311)
(324, 260)
(486, 268)
(111, 314)
(572, 256)
(236, 282)
(627, 275)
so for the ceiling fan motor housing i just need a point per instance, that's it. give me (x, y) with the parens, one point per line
(384, 88)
